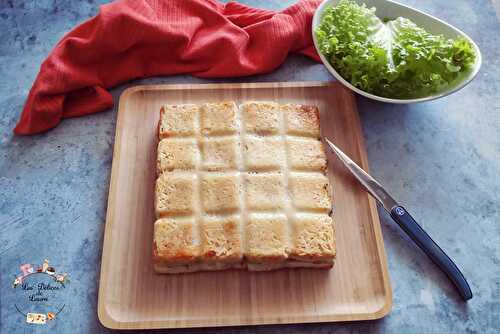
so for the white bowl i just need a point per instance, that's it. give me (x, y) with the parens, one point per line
(387, 8)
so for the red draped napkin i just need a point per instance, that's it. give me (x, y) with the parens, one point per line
(135, 39)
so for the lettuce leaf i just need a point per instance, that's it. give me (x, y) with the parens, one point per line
(390, 58)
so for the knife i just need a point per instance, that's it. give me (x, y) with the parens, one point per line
(407, 223)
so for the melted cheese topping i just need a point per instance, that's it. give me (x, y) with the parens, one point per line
(253, 181)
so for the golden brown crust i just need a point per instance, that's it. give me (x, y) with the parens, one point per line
(219, 154)
(177, 120)
(241, 188)
(219, 193)
(263, 153)
(174, 241)
(313, 238)
(221, 240)
(264, 191)
(310, 192)
(218, 118)
(266, 238)
(174, 194)
(261, 117)
(174, 153)
(306, 154)
(301, 120)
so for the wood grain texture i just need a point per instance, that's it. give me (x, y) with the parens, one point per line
(132, 296)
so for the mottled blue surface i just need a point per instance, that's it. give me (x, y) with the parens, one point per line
(441, 159)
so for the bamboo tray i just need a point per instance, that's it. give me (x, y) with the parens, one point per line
(132, 296)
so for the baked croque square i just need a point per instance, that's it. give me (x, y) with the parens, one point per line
(178, 120)
(175, 240)
(219, 193)
(264, 191)
(261, 117)
(306, 154)
(263, 153)
(241, 187)
(219, 153)
(313, 237)
(218, 118)
(174, 194)
(310, 191)
(221, 239)
(176, 153)
(266, 237)
(301, 120)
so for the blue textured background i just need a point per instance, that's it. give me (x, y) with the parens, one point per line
(441, 159)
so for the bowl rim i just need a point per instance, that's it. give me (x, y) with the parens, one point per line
(477, 64)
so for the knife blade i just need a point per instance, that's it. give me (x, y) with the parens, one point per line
(406, 222)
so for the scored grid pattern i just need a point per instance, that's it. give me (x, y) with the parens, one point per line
(236, 161)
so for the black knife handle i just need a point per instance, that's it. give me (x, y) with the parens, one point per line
(435, 253)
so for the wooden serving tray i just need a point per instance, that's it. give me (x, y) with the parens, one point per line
(132, 296)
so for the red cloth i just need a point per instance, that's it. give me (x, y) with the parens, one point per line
(135, 39)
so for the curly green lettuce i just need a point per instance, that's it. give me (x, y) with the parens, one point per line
(390, 58)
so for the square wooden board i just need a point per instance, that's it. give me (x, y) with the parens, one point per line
(132, 296)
